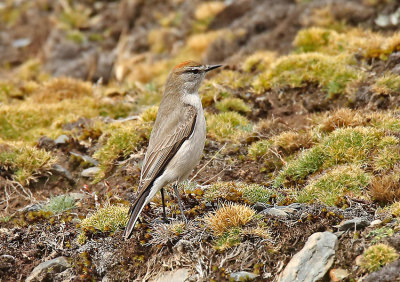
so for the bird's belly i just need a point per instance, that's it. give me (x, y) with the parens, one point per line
(189, 154)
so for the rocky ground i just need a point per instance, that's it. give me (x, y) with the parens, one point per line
(300, 177)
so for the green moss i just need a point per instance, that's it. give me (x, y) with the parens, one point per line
(386, 158)
(60, 204)
(150, 114)
(232, 104)
(380, 233)
(106, 219)
(25, 162)
(254, 193)
(260, 148)
(228, 240)
(120, 140)
(342, 146)
(312, 39)
(334, 184)
(309, 161)
(229, 126)
(331, 73)
(377, 256)
(388, 84)
(259, 61)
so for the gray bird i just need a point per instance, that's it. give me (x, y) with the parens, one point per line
(177, 139)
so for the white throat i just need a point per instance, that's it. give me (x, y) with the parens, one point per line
(192, 99)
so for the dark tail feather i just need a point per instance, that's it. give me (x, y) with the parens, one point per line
(134, 212)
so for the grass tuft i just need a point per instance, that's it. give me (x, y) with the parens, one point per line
(106, 219)
(334, 184)
(389, 84)
(228, 216)
(60, 204)
(228, 126)
(233, 104)
(377, 256)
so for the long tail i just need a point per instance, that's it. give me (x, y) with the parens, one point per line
(134, 212)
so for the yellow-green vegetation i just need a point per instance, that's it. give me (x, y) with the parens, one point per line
(119, 141)
(342, 146)
(60, 204)
(205, 13)
(332, 73)
(239, 191)
(230, 79)
(259, 149)
(228, 126)
(259, 61)
(386, 158)
(228, 216)
(105, 219)
(395, 209)
(24, 162)
(377, 256)
(291, 141)
(232, 104)
(380, 233)
(150, 114)
(388, 84)
(367, 43)
(335, 184)
(228, 239)
(340, 118)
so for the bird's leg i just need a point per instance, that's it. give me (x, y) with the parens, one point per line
(163, 206)
(179, 201)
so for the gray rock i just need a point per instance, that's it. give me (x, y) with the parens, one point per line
(296, 206)
(286, 209)
(275, 212)
(62, 139)
(63, 172)
(313, 261)
(242, 276)
(90, 172)
(65, 276)
(261, 206)
(376, 222)
(32, 207)
(47, 269)
(85, 158)
(179, 275)
(353, 224)
(390, 272)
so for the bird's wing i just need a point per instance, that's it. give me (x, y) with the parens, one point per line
(158, 158)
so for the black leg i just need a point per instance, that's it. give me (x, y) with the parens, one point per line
(179, 201)
(163, 206)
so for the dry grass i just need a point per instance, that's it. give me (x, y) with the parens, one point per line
(59, 89)
(388, 84)
(386, 188)
(341, 118)
(228, 216)
(291, 141)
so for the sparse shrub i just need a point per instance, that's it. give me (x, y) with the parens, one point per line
(386, 188)
(106, 219)
(232, 104)
(228, 216)
(229, 126)
(59, 89)
(25, 162)
(377, 256)
(331, 73)
(341, 118)
(60, 204)
(389, 84)
(259, 61)
(334, 184)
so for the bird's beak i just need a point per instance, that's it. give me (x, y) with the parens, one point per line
(211, 67)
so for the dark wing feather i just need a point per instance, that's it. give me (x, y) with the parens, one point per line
(157, 159)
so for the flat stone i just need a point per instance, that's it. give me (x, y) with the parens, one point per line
(353, 224)
(286, 209)
(62, 139)
(85, 158)
(242, 276)
(313, 261)
(390, 272)
(63, 172)
(275, 212)
(374, 223)
(178, 275)
(47, 269)
(338, 274)
(90, 172)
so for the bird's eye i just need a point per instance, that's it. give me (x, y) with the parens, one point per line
(195, 71)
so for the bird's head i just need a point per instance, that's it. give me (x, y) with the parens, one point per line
(187, 76)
